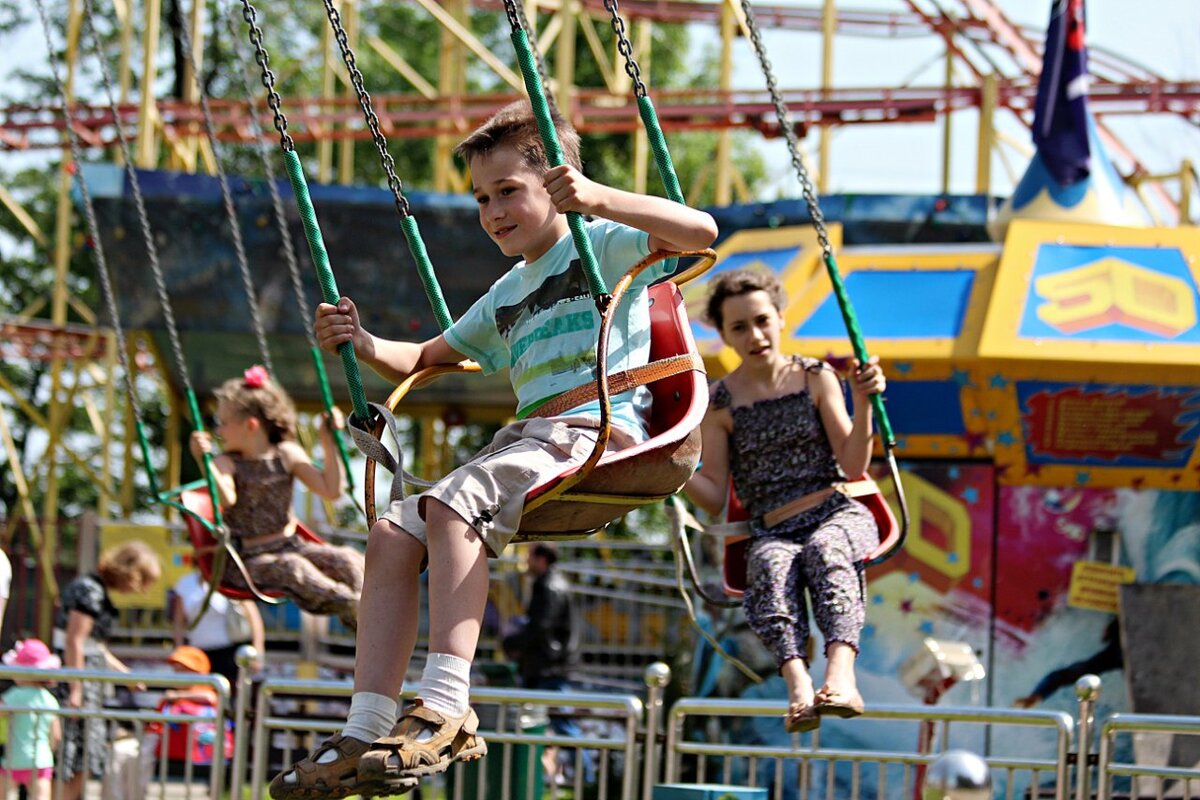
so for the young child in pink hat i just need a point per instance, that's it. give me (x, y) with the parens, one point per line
(32, 736)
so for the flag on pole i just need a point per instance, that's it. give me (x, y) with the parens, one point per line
(1060, 117)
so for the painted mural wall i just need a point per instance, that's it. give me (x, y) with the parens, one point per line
(991, 565)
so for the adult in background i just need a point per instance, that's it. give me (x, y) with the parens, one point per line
(225, 625)
(82, 628)
(547, 645)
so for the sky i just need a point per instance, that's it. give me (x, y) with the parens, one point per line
(907, 158)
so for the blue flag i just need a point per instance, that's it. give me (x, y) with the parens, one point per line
(1060, 118)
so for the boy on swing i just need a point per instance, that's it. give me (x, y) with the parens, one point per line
(540, 322)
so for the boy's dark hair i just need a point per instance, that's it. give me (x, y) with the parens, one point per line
(736, 283)
(515, 126)
(546, 551)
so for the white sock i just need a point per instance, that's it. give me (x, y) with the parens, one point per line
(371, 717)
(446, 685)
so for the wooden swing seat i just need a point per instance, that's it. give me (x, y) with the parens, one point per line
(736, 547)
(204, 545)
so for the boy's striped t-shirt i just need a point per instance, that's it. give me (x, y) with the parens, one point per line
(539, 321)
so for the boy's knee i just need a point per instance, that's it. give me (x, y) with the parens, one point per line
(392, 539)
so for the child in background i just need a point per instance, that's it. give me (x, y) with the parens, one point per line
(32, 737)
(199, 700)
(256, 422)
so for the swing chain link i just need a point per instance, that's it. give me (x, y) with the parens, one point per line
(789, 133)
(274, 101)
(625, 48)
(231, 214)
(289, 251)
(364, 101)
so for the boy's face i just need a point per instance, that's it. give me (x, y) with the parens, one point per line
(514, 208)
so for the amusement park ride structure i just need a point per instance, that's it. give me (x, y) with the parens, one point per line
(991, 66)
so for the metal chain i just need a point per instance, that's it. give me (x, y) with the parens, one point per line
(625, 48)
(518, 11)
(789, 133)
(260, 146)
(268, 77)
(364, 101)
(89, 210)
(235, 229)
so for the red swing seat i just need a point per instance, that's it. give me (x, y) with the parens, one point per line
(621, 480)
(647, 472)
(736, 547)
(204, 545)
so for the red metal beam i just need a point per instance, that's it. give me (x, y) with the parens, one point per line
(594, 110)
(43, 341)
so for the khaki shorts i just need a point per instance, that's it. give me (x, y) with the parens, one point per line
(489, 490)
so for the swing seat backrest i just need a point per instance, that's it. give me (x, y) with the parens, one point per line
(628, 478)
(204, 545)
(737, 547)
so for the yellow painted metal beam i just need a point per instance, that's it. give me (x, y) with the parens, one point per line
(406, 70)
(603, 63)
(27, 222)
(147, 150)
(723, 191)
(472, 42)
(564, 56)
(987, 121)
(828, 32)
(350, 20)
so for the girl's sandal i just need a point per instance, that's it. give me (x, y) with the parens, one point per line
(309, 779)
(800, 718)
(837, 704)
(398, 761)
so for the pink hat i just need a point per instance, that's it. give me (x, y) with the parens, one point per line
(32, 653)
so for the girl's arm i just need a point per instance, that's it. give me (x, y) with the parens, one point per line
(709, 486)
(849, 439)
(327, 481)
(79, 628)
(55, 733)
(201, 443)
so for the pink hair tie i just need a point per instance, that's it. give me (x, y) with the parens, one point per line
(255, 377)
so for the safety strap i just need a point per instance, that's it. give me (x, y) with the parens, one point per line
(371, 447)
(619, 382)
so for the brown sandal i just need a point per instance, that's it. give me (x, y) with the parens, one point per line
(314, 780)
(399, 760)
(800, 718)
(836, 704)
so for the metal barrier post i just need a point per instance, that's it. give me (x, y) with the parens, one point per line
(656, 676)
(1087, 689)
(245, 657)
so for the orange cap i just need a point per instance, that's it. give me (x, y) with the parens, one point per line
(193, 659)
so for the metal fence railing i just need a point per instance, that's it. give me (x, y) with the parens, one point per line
(611, 745)
(1136, 778)
(806, 769)
(514, 723)
(133, 769)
